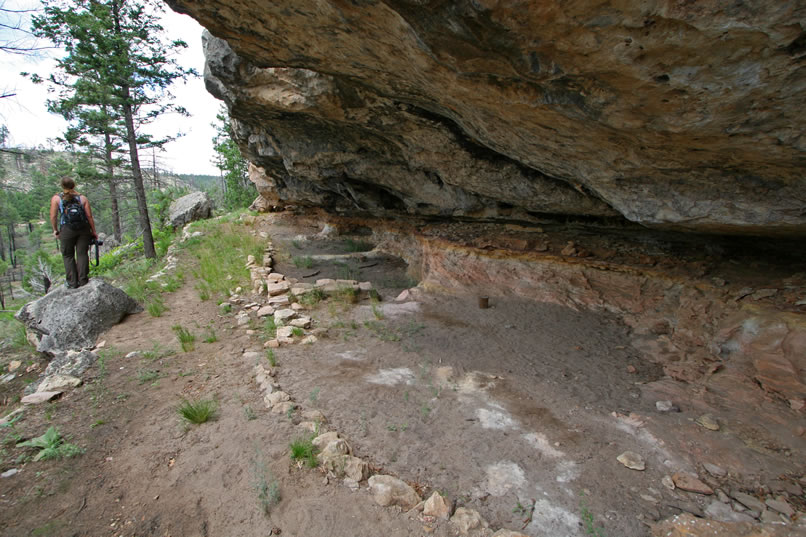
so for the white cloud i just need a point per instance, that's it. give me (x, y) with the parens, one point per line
(31, 125)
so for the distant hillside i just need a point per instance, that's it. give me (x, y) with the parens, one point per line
(18, 164)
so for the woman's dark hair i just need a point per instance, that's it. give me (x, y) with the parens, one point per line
(68, 186)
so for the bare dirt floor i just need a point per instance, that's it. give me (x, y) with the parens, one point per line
(517, 411)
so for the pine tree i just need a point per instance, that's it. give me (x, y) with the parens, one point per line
(239, 191)
(113, 80)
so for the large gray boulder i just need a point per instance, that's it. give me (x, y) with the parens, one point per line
(71, 319)
(194, 206)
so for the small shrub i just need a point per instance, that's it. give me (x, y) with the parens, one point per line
(302, 261)
(51, 446)
(199, 411)
(269, 328)
(186, 338)
(312, 297)
(304, 452)
(352, 245)
(210, 337)
(297, 332)
(271, 357)
(147, 375)
(156, 307)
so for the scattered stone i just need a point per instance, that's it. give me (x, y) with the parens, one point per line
(691, 483)
(285, 332)
(308, 340)
(714, 470)
(296, 306)
(8, 377)
(225, 307)
(13, 365)
(631, 460)
(648, 498)
(666, 406)
(252, 355)
(250, 260)
(274, 398)
(39, 397)
(687, 525)
(334, 449)
(301, 322)
(242, 318)
(351, 484)
(508, 533)
(465, 519)
(721, 496)
(274, 277)
(790, 487)
(668, 482)
(278, 288)
(723, 513)
(315, 416)
(265, 311)
(631, 369)
(403, 296)
(781, 506)
(283, 408)
(57, 383)
(285, 315)
(387, 490)
(324, 439)
(133, 354)
(9, 473)
(708, 421)
(751, 502)
(437, 507)
(347, 466)
(308, 426)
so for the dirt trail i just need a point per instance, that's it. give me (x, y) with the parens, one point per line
(518, 411)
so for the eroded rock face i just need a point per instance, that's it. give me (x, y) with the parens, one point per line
(684, 115)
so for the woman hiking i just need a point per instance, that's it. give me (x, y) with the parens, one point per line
(75, 230)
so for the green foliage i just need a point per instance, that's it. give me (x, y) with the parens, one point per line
(239, 191)
(269, 328)
(156, 307)
(271, 357)
(198, 411)
(304, 452)
(147, 375)
(186, 338)
(51, 446)
(312, 297)
(210, 336)
(220, 253)
(302, 261)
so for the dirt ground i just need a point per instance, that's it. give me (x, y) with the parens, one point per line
(518, 411)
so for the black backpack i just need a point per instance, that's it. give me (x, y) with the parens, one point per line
(73, 215)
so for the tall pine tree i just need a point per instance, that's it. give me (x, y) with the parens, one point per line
(114, 78)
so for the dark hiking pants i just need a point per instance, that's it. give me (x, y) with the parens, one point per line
(75, 245)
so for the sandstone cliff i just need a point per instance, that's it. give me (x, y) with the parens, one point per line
(678, 114)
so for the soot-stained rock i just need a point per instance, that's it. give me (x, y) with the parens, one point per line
(71, 319)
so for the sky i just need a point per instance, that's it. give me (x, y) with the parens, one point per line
(30, 125)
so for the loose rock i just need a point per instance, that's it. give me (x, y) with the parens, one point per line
(714, 470)
(723, 513)
(436, 506)
(668, 482)
(691, 483)
(387, 490)
(39, 397)
(708, 421)
(508, 533)
(748, 501)
(467, 519)
(631, 460)
(781, 506)
(666, 406)
(57, 383)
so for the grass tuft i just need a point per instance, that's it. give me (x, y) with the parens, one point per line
(156, 306)
(304, 452)
(186, 338)
(302, 261)
(198, 411)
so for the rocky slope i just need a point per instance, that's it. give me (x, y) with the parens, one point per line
(676, 114)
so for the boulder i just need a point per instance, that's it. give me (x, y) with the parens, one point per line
(194, 206)
(71, 319)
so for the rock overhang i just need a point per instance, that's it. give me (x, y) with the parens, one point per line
(684, 117)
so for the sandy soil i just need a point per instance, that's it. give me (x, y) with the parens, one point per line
(518, 411)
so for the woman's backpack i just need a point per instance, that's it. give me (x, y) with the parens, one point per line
(73, 215)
